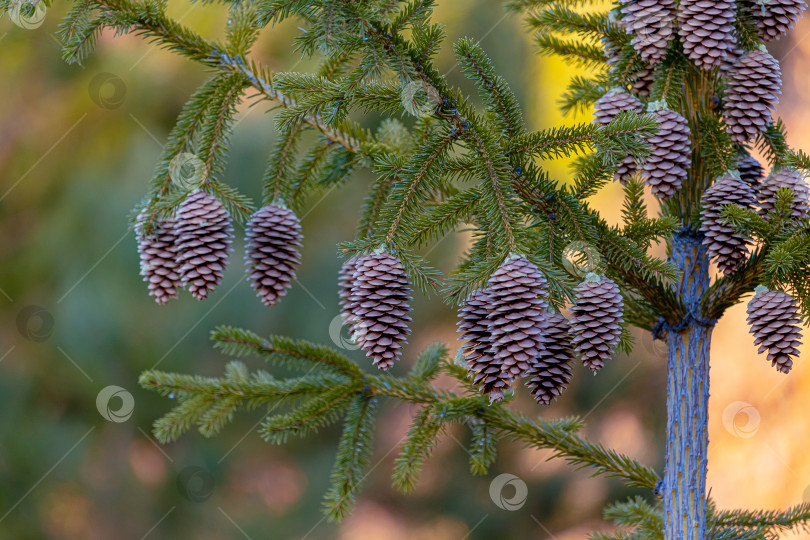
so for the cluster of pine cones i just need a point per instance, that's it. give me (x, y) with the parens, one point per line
(706, 31)
(511, 332)
(190, 250)
(746, 188)
(773, 316)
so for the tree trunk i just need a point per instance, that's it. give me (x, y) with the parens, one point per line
(688, 398)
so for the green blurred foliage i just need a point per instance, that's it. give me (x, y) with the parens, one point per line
(76, 153)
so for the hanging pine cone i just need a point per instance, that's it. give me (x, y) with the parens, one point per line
(517, 294)
(156, 250)
(381, 296)
(652, 25)
(706, 28)
(785, 177)
(606, 109)
(596, 320)
(750, 171)
(754, 86)
(773, 318)
(550, 372)
(272, 241)
(473, 326)
(345, 282)
(774, 18)
(642, 82)
(724, 243)
(671, 152)
(204, 234)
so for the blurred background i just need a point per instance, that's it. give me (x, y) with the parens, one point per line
(77, 147)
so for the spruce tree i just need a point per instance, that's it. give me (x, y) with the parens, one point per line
(684, 94)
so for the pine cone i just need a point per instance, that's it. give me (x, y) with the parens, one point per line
(550, 372)
(754, 86)
(157, 254)
(596, 320)
(724, 243)
(272, 241)
(773, 317)
(517, 294)
(652, 25)
(474, 327)
(671, 153)
(750, 171)
(204, 234)
(792, 179)
(706, 28)
(642, 82)
(606, 109)
(382, 296)
(774, 18)
(611, 51)
(345, 283)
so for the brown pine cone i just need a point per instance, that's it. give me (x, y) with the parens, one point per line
(596, 322)
(724, 243)
(706, 29)
(381, 296)
(606, 109)
(272, 242)
(785, 177)
(517, 293)
(773, 317)
(652, 25)
(750, 171)
(473, 325)
(157, 254)
(671, 152)
(345, 283)
(550, 372)
(754, 87)
(774, 18)
(204, 234)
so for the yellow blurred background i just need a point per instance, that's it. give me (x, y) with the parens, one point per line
(76, 154)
